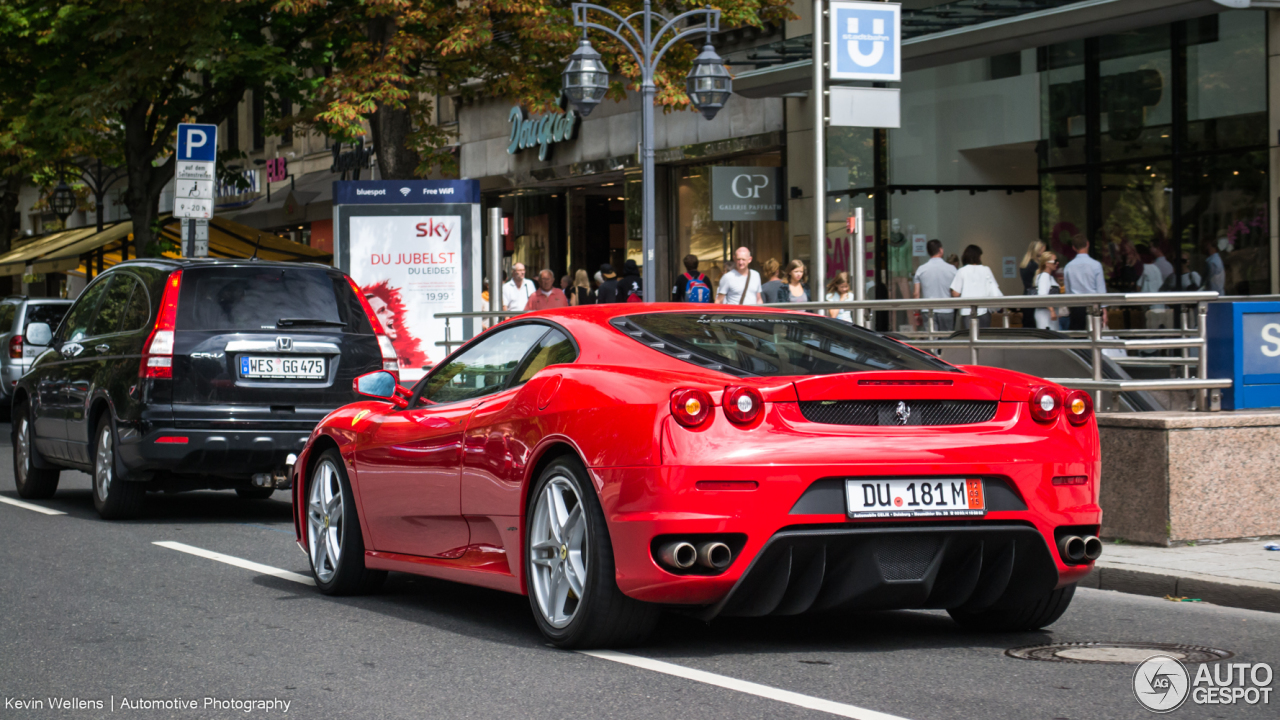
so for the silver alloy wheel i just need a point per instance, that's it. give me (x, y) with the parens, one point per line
(324, 520)
(102, 467)
(558, 551)
(23, 450)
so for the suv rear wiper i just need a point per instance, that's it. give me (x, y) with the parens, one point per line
(290, 322)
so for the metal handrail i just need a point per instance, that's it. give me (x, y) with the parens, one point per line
(1187, 337)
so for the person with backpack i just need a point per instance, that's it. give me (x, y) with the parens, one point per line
(629, 287)
(608, 290)
(692, 286)
(741, 285)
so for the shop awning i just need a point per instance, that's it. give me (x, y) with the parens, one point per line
(310, 199)
(79, 249)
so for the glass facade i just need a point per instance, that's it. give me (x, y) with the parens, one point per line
(1155, 137)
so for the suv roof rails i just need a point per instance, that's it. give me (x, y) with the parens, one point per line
(16, 297)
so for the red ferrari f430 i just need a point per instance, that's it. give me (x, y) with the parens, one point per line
(613, 461)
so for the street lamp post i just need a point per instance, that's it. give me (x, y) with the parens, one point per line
(63, 202)
(586, 80)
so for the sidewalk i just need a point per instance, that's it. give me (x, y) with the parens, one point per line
(1235, 574)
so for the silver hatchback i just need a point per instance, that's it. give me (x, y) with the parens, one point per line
(16, 313)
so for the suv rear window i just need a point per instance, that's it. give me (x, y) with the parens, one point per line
(772, 344)
(49, 313)
(257, 298)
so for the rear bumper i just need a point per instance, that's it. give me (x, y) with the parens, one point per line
(238, 453)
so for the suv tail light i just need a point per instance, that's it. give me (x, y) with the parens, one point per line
(690, 407)
(1078, 407)
(157, 354)
(1046, 405)
(15, 347)
(390, 361)
(742, 404)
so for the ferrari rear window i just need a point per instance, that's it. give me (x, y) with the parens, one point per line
(772, 344)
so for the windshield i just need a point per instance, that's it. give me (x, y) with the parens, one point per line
(257, 298)
(773, 344)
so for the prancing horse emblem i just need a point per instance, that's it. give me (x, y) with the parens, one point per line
(903, 412)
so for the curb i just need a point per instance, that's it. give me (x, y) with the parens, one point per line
(1227, 592)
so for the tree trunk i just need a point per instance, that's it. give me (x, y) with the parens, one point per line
(146, 180)
(391, 126)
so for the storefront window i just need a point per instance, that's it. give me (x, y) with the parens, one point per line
(714, 241)
(1135, 102)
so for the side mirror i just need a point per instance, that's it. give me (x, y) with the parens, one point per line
(39, 334)
(382, 385)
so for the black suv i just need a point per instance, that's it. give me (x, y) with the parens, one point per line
(190, 374)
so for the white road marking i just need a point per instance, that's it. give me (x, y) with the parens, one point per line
(742, 686)
(30, 506)
(238, 562)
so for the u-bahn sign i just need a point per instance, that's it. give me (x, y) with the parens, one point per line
(866, 41)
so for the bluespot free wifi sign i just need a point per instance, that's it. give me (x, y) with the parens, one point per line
(866, 41)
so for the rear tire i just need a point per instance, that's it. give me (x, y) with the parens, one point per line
(569, 566)
(334, 543)
(253, 492)
(1030, 615)
(113, 497)
(33, 483)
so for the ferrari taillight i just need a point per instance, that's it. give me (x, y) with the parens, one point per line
(1046, 405)
(157, 353)
(742, 404)
(690, 407)
(390, 361)
(1078, 407)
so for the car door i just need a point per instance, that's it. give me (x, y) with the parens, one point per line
(408, 467)
(85, 370)
(52, 376)
(500, 436)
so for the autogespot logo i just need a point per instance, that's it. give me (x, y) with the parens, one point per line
(1160, 683)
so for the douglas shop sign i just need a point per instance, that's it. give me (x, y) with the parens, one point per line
(540, 131)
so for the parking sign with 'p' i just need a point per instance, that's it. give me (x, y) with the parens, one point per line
(866, 41)
(197, 142)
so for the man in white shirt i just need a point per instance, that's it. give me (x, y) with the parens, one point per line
(1162, 262)
(739, 281)
(516, 291)
(1216, 271)
(1083, 276)
(933, 280)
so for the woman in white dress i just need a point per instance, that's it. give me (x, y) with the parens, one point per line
(974, 280)
(1046, 317)
(838, 290)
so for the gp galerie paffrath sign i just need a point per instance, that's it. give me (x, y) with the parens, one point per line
(746, 193)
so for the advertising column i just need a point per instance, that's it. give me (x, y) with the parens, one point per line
(413, 247)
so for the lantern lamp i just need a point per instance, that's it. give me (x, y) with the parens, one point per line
(586, 79)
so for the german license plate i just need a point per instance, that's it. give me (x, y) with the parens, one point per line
(287, 368)
(924, 497)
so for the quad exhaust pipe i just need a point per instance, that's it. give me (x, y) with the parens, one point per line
(682, 555)
(1076, 549)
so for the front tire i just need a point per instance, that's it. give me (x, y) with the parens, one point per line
(569, 566)
(33, 483)
(1029, 615)
(113, 497)
(334, 543)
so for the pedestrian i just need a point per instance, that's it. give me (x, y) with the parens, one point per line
(548, 296)
(772, 280)
(630, 288)
(1162, 262)
(839, 290)
(741, 284)
(933, 280)
(691, 286)
(974, 280)
(516, 291)
(793, 289)
(1045, 284)
(581, 292)
(1029, 270)
(1083, 276)
(565, 283)
(608, 292)
(954, 260)
(1182, 280)
(1152, 277)
(1215, 271)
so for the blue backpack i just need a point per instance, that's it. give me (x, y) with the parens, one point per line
(696, 289)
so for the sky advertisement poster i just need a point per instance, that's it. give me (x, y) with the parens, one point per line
(409, 268)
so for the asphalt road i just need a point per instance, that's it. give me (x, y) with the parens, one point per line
(97, 611)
